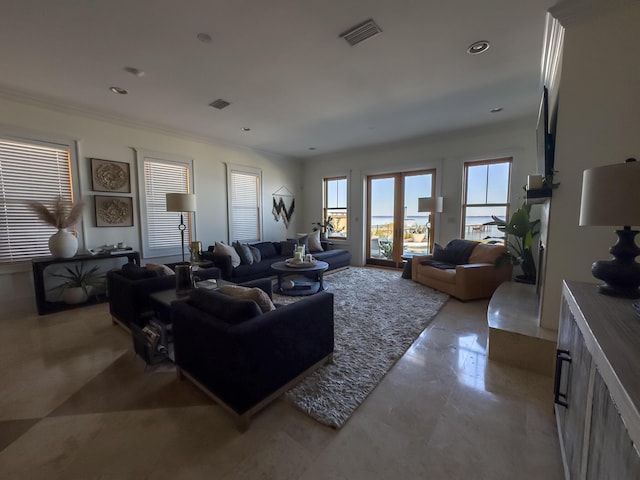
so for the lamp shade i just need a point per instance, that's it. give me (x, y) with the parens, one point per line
(430, 204)
(611, 195)
(181, 202)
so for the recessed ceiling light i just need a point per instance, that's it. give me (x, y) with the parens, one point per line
(246, 129)
(204, 37)
(478, 47)
(134, 71)
(118, 90)
(312, 148)
(496, 110)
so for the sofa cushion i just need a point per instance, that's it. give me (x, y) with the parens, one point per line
(136, 272)
(442, 275)
(225, 308)
(266, 249)
(228, 250)
(287, 247)
(163, 270)
(244, 252)
(256, 294)
(457, 251)
(487, 253)
(257, 256)
(314, 242)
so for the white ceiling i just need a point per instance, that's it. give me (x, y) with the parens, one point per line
(281, 64)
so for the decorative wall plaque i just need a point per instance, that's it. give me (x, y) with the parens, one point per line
(110, 176)
(114, 211)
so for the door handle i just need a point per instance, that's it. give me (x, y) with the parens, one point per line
(560, 398)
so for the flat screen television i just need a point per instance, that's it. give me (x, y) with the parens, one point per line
(545, 137)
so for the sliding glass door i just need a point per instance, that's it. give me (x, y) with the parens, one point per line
(395, 228)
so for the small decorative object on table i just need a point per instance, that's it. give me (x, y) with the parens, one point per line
(63, 215)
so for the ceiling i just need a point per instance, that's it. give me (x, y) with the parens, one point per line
(289, 77)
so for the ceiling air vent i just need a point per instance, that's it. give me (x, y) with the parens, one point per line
(219, 104)
(361, 32)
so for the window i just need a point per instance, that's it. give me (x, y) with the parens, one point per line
(243, 185)
(30, 170)
(159, 174)
(486, 193)
(335, 206)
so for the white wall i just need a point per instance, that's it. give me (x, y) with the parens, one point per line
(106, 140)
(598, 124)
(445, 153)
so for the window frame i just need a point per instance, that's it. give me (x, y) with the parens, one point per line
(465, 188)
(251, 171)
(189, 217)
(326, 208)
(37, 139)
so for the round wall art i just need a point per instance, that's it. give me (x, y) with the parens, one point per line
(109, 176)
(114, 211)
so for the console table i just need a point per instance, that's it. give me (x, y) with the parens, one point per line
(597, 385)
(39, 265)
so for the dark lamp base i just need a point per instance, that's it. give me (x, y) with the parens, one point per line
(622, 274)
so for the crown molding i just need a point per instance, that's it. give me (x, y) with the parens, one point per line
(49, 103)
(571, 12)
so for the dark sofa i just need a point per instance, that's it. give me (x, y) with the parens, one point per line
(271, 252)
(244, 358)
(129, 288)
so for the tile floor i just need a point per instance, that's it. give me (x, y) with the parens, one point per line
(76, 403)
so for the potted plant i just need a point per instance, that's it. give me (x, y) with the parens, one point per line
(520, 232)
(325, 228)
(418, 232)
(78, 282)
(62, 216)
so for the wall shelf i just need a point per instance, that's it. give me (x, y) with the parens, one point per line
(539, 195)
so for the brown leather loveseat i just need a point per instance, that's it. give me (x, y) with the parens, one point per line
(464, 269)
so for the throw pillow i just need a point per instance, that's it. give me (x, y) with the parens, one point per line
(287, 247)
(438, 253)
(314, 242)
(244, 252)
(228, 250)
(162, 270)
(225, 308)
(136, 272)
(267, 249)
(257, 256)
(256, 294)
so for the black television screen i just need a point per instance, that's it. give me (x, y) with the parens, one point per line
(544, 137)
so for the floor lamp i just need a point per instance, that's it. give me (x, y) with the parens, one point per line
(181, 202)
(431, 205)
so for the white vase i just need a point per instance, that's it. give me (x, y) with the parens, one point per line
(63, 244)
(73, 295)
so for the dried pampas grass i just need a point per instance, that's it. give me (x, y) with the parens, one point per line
(63, 214)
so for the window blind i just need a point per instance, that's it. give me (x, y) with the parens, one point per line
(30, 171)
(161, 232)
(244, 208)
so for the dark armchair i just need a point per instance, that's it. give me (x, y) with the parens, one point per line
(129, 289)
(243, 358)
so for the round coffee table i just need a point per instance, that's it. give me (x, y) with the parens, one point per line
(308, 278)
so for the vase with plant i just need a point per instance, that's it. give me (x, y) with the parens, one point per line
(418, 232)
(61, 215)
(78, 282)
(521, 231)
(325, 228)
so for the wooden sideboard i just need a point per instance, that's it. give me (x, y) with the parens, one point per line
(597, 385)
(40, 264)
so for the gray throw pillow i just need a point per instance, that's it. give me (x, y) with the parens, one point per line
(257, 256)
(246, 257)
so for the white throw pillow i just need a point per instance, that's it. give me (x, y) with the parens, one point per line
(313, 242)
(256, 294)
(162, 270)
(227, 250)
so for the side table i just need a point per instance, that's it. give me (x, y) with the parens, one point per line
(406, 271)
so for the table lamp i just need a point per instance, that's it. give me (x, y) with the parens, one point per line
(611, 197)
(431, 205)
(181, 202)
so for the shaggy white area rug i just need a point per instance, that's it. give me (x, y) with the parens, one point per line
(377, 316)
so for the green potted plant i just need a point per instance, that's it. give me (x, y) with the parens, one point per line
(78, 282)
(325, 228)
(520, 231)
(418, 232)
